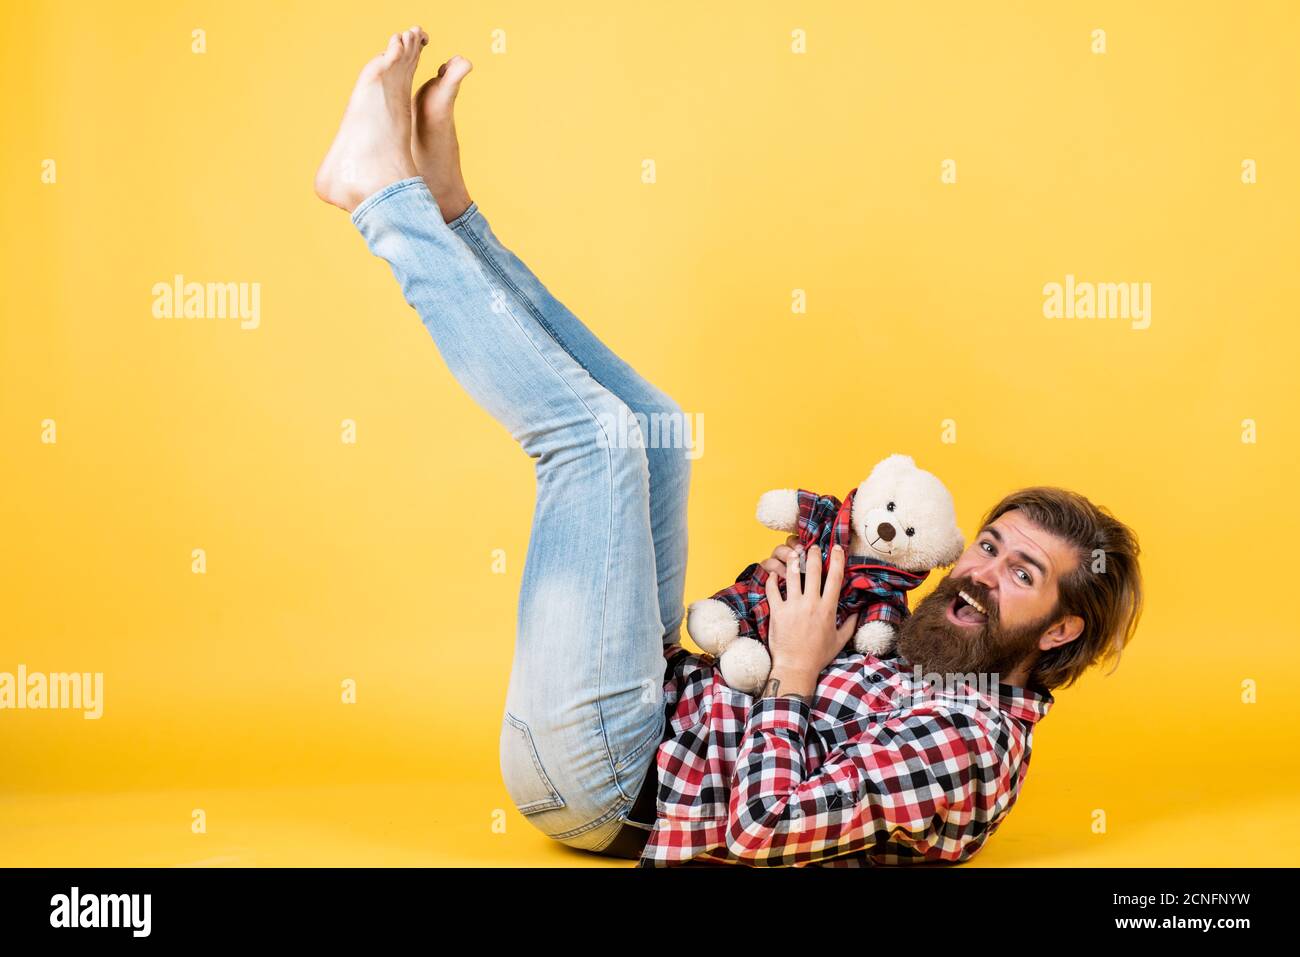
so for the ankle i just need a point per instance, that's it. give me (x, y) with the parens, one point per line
(453, 206)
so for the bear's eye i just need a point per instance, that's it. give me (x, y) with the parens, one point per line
(911, 531)
(889, 507)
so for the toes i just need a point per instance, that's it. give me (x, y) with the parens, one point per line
(394, 49)
(436, 95)
(412, 40)
(455, 69)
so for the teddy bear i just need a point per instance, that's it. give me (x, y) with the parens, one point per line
(896, 527)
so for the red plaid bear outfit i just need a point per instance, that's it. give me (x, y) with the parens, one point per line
(871, 587)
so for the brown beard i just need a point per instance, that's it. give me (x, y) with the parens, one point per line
(928, 640)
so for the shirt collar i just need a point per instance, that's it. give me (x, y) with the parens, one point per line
(1025, 704)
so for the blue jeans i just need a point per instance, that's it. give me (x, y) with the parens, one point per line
(603, 581)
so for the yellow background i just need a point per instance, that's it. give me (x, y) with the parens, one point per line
(775, 171)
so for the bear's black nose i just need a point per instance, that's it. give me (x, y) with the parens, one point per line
(886, 531)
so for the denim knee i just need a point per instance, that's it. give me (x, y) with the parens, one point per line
(674, 438)
(620, 428)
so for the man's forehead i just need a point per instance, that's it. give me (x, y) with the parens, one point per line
(1018, 531)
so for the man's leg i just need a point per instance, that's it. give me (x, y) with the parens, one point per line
(584, 707)
(669, 431)
(584, 704)
(436, 152)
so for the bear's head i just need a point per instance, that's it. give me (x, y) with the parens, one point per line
(905, 516)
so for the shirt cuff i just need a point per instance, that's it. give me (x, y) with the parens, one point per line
(780, 713)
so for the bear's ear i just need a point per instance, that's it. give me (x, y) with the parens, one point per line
(894, 463)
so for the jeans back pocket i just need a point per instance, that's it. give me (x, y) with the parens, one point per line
(525, 778)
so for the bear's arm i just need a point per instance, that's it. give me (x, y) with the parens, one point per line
(779, 509)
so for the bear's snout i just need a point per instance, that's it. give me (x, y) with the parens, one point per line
(886, 531)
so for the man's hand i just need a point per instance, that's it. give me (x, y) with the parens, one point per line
(801, 633)
(780, 556)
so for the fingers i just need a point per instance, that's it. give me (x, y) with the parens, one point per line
(813, 586)
(834, 576)
(792, 586)
(846, 631)
(773, 592)
(780, 556)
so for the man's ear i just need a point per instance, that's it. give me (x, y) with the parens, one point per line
(1061, 633)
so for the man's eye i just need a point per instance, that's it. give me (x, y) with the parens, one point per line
(987, 546)
(1025, 577)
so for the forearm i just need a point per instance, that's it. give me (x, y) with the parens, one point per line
(795, 681)
(769, 768)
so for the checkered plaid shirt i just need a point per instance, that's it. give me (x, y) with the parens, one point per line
(880, 769)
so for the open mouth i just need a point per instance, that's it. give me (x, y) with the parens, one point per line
(965, 610)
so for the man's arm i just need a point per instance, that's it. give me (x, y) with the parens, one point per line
(930, 780)
(785, 681)
(927, 783)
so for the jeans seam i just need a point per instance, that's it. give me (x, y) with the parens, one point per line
(656, 736)
(616, 811)
(556, 800)
(624, 811)
(459, 222)
(528, 303)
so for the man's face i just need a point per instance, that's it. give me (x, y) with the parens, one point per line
(1011, 570)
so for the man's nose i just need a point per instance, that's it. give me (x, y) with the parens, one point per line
(985, 574)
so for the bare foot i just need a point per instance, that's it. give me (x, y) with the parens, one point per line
(373, 145)
(434, 145)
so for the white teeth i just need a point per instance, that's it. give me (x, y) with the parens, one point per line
(973, 603)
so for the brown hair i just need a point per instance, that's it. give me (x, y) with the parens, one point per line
(1104, 589)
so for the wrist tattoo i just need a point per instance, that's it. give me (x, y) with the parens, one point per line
(772, 689)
